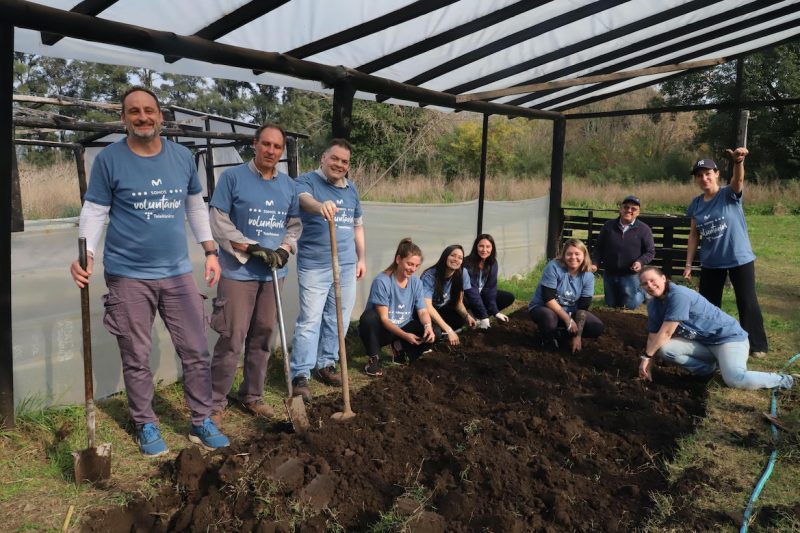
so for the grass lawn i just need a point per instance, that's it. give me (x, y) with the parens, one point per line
(731, 444)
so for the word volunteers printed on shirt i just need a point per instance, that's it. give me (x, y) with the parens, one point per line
(158, 203)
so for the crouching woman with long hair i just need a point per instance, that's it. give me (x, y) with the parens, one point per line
(686, 330)
(396, 312)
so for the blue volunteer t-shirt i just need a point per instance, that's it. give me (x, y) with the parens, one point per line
(401, 302)
(146, 236)
(569, 289)
(699, 320)
(314, 245)
(429, 285)
(724, 242)
(259, 208)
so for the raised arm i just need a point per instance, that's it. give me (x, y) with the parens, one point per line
(737, 159)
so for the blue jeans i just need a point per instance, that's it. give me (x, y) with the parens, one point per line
(731, 357)
(316, 335)
(622, 290)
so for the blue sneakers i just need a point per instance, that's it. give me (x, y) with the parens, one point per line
(208, 436)
(150, 442)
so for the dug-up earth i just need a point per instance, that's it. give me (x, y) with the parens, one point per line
(494, 435)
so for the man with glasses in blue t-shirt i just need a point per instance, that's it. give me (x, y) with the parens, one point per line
(255, 220)
(147, 186)
(325, 194)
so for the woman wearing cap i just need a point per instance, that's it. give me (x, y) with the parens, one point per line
(483, 298)
(718, 225)
(623, 247)
(563, 296)
(686, 330)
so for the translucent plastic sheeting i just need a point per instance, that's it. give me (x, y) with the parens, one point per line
(46, 319)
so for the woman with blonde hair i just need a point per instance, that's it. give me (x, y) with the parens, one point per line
(396, 312)
(563, 296)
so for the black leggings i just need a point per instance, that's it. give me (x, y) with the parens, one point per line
(374, 335)
(548, 323)
(743, 279)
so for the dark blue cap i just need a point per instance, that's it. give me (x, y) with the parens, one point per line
(704, 163)
(632, 200)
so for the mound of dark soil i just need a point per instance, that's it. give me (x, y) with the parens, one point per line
(492, 436)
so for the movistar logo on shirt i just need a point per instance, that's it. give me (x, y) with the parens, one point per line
(339, 201)
(269, 202)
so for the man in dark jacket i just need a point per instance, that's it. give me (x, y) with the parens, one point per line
(623, 247)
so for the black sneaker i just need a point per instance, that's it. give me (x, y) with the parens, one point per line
(300, 388)
(373, 367)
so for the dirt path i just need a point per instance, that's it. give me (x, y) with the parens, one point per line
(494, 436)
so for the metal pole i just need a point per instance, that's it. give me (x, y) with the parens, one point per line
(210, 178)
(482, 191)
(292, 157)
(6, 161)
(556, 186)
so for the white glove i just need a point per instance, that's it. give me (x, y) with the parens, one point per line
(501, 317)
(483, 323)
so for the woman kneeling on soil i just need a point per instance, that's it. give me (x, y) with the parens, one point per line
(686, 330)
(396, 313)
(443, 286)
(483, 298)
(563, 296)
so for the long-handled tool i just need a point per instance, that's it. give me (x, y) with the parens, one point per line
(347, 413)
(94, 463)
(295, 408)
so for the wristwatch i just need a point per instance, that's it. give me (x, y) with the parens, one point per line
(212, 252)
(645, 357)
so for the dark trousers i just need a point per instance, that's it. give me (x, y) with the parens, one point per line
(548, 323)
(244, 315)
(743, 279)
(374, 335)
(504, 299)
(449, 315)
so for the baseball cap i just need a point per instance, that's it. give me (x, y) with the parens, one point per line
(704, 163)
(632, 200)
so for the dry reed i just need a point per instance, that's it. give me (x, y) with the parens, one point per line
(49, 192)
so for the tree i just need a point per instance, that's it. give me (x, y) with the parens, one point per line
(773, 132)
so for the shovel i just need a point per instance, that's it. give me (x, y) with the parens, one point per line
(94, 463)
(347, 413)
(295, 408)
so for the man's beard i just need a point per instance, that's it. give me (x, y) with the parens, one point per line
(156, 131)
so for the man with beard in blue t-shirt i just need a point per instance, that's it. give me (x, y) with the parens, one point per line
(255, 220)
(147, 186)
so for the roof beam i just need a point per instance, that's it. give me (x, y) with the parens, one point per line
(450, 35)
(744, 104)
(515, 38)
(87, 7)
(585, 80)
(234, 20)
(710, 50)
(398, 16)
(566, 51)
(42, 18)
(700, 36)
(662, 80)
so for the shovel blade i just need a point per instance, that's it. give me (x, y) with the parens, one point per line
(92, 464)
(296, 411)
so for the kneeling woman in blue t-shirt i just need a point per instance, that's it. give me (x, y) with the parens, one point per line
(686, 330)
(395, 312)
(563, 297)
(444, 284)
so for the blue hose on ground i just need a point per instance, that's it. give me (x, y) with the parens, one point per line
(773, 410)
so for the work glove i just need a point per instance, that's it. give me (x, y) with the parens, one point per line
(501, 317)
(269, 256)
(483, 323)
(283, 255)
